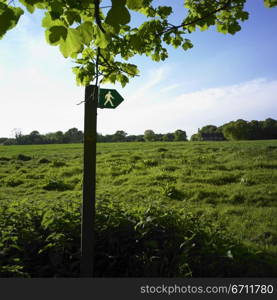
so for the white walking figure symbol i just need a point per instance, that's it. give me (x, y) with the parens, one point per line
(109, 98)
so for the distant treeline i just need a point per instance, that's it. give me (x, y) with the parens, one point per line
(235, 130)
(238, 130)
(74, 135)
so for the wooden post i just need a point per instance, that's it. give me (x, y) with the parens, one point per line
(89, 182)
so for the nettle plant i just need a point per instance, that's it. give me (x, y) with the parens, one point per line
(99, 34)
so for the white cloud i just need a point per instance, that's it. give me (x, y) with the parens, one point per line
(249, 100)
(154, 78)
(170, 87)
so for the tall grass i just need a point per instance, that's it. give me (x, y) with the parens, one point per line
(163, 209)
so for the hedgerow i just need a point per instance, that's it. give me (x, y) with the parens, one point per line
(42, 239)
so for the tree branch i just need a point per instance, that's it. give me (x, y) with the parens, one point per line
(113, 68)
(225, 6)
(97, 66)
(97, 16)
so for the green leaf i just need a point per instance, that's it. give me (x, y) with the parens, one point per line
(222, 28)
(190, 28)
(118, 15)
(136, 42)
(9, 17)
(164, 11)
(164, 54)
(40, 5)
(135, 4)
(204, 27)
(72, 44)
(122, 79)
(243, 15)
(72, 16)
(156, 56)
(86, 32)
(113, 29)
(48, 22)
(55, 34)
(234, 28)
(82, 77)
(102, 39)
(88, 53)
(112, 78)
(30, 4)
(270, 3)
(84, 3)
(131, 69)
(148, 11)
(29, 7)
(187, 44)
(56, 9)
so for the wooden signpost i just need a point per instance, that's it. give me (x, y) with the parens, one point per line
(107, 98)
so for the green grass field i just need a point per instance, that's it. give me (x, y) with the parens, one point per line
(163, 209)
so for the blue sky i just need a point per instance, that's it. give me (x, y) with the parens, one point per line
(223, 78)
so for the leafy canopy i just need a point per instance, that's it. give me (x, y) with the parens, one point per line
(101, 39)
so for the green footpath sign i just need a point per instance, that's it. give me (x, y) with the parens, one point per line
(109, 98)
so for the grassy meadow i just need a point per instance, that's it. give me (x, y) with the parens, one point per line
(200, 209)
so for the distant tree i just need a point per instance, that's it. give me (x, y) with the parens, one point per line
(149, 135)
(119, 136)
(159, 137)
(210, 133)
(228, 130)
(168, 137)
(238, 130)
(100, 138)
(180, 135)
(131, 138)
(255, 130)
(35, 137)
(9, 142)
(50, 138)
(108, 138)
(269, 128)
(195, 137)
(59, 136)
(73, 135)
(19, 137)
(208, 129)
(2, 140)
(140, 138)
